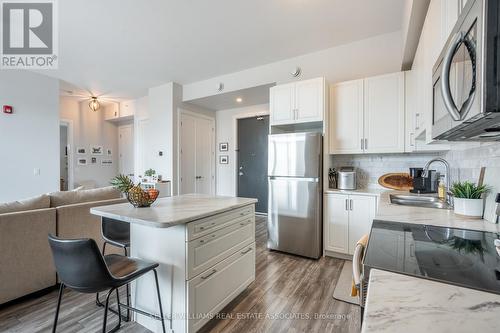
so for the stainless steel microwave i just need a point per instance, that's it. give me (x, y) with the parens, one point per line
(466, 77)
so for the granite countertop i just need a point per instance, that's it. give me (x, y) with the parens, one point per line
(167, 212)
(430, 216)
(399, 303)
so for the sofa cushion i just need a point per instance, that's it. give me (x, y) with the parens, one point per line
(64, 198)
(38, 202)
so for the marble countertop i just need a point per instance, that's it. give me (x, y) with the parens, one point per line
(167, 212)
(399, 303)
(430, 216)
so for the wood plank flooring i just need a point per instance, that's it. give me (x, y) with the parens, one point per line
(290, 294)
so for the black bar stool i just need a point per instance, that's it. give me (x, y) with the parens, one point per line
(82, 268)
(115, 233)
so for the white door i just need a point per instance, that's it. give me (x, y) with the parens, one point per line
(197, 154)
(346, 118)
(337, 223)
(126, 150)
(384, 114)
(187, 168)
(362, 211)
(282, 101)
(309, 100)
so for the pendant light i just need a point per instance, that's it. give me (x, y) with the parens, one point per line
(94, 104)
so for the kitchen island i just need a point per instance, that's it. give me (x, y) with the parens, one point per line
(205, 246)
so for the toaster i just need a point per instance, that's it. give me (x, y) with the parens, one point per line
(346, 178)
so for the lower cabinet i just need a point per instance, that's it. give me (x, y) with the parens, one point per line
(347, 218)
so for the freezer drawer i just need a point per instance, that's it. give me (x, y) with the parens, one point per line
(294, 218)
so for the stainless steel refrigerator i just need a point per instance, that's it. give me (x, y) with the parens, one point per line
(295, 194)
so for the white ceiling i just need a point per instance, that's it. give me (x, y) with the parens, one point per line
(122, 47)
(251, 96)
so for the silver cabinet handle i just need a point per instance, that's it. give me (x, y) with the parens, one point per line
(246, 251)
(362, 144)
(351, 204)
(366, 144)
(209, 275)
(346, 204)
(417, 122)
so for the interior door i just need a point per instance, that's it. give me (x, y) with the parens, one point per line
(196, 154)
(346, 118)
(204, 138)
(126, 150)
(309, 97)
(384, 114)
(252, 160)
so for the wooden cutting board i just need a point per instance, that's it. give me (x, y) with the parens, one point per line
(397, 181)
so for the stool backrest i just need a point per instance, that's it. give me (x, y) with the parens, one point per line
(114, 230)
(80, 265)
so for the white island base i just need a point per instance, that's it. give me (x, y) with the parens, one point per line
(204, 265)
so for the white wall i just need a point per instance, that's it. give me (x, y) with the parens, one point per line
(89, 129)
(29, 138)
(368, 57)
(226, 132)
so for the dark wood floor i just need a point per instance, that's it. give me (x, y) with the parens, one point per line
(290, 294)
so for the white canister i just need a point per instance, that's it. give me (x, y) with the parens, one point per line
(468, 207)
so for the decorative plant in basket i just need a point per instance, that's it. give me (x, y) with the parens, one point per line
(136, 195)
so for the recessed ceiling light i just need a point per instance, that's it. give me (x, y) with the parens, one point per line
(239, 99)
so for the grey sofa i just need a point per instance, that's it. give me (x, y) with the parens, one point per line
(26, 264)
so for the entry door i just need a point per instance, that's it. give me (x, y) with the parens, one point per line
(126, 150)
(252, 160)
(196, 155)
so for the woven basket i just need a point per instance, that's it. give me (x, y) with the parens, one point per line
(140, 200)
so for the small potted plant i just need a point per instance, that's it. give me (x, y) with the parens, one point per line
(150, 174)
(467, 198)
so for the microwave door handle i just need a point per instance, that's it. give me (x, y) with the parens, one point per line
(445, 77)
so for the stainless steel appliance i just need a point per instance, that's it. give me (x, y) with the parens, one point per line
(295, 194)
(423, 184)
(346, 179)
(461, 257)
(466, 76)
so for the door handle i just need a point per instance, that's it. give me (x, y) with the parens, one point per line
(240, 173)
(246, 251)
(351, 205)
(199, 177)
(209, 275)
(346, 204)
(362, 144)
(366, 144)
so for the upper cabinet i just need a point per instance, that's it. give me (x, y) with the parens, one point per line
(119, 111)
(298, 102)
(368, 116)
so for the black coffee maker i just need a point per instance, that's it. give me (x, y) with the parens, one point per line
(427, 184)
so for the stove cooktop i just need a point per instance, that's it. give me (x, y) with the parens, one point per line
(462, 257)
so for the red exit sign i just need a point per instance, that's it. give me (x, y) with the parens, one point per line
(8, 109)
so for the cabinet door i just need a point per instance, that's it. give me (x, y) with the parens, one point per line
(126, 109)
(346, 118)
(309, 100)
(337, 223)
(384, 114)
(410, 109)
(282, 101)
(111, 111)
(362, 211)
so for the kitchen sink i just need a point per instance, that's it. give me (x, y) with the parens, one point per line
(419, 201)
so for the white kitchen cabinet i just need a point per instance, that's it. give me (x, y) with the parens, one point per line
(127, 109)
(348, 218)
(298, 102)
(368, 115)
(346, 118)
(384, 114)
(112, 111)
(117, 112)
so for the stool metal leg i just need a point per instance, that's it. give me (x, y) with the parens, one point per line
(61, 290)
(106, 307)
(128, 292)
(159, 300)
(97, 301)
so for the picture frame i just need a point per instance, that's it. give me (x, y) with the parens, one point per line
(109, 152)
(81, 151)
(224, 159)
(82, 161)
(93, 160)
(96, 150)
(223, 146)
(106, 162)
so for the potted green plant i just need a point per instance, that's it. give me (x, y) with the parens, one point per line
(468, 198)
(150, 173)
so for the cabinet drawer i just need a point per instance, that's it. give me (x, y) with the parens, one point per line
(209, 292)
(208, 250)
(209, 224)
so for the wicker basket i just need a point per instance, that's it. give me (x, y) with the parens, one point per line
(140, 200)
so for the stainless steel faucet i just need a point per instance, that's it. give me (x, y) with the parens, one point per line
(425, 173)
